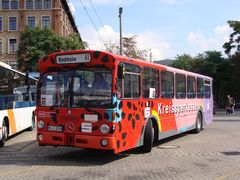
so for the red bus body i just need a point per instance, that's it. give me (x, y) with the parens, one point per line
(127, 118)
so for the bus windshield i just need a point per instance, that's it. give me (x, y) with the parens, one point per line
(90, 87)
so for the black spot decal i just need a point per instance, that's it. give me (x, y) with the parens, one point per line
(133, 123)
(142, 104)
(52, 60)
(106, 116)
(120, 126)
(123, 115)
(79, 129)
(139, 103)
(54, 118)
(82, 116)
(105, 59)
(96, 54)
(129, 105)
(142, 112)
(124, 143)
(129, 117)
(120, 105)
(137, 117)
(95, 128)
(118, 116)
(114, 60)
(99, 117)
(114, 105)
(112, 129)
(118, 144)
(134, 107)
(124, 135)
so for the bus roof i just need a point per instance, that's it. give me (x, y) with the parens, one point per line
(50, 61)
(4, 65)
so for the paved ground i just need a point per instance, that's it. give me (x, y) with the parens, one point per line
(212, 154)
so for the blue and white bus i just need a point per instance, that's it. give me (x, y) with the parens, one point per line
(17, 102)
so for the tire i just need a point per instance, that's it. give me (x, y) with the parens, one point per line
(4, 134)
(148, 138)
(198, 127)
(31, 128)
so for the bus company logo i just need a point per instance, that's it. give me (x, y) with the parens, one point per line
(176, 109)
(70, 127)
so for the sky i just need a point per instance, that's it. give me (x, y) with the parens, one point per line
(165, 27)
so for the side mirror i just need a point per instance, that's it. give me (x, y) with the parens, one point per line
(121, 69)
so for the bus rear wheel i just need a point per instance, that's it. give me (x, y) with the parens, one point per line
(4, 134)
(148, 137)
(198, 127)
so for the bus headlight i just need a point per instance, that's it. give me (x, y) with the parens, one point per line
(104, 128)
(40, 124)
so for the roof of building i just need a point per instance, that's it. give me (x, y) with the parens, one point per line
(70, 15)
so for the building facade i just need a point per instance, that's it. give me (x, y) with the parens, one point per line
(15, 15)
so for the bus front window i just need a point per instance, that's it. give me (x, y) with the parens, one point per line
(79, 88)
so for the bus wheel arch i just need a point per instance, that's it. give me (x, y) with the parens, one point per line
(149, 136)
(5, 131)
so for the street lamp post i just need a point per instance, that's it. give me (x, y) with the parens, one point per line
(120, 27)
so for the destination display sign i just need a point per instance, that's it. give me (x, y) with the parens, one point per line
(72, 58)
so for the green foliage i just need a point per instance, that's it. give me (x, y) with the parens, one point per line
(37, 43)
(209, 63)
(234, 39)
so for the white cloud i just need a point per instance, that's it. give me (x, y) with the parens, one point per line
(213, 41)
(160, 49)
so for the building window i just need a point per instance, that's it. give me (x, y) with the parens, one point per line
(12, 46)
(12, 23)
(29, 4)
(38, 4)
(5, 4)
(1, 28)
(31, 21)
(45, 21)
(47, 4)
(14, 4)
(1, 51)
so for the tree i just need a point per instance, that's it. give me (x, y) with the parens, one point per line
(130, 48)
(234, 39)
(183, 62)
(37, 43)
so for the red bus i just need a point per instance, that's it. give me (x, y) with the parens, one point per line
(93, 99)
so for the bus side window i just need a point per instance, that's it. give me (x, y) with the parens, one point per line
(167, 84)
(180, 84)
(200, 88)
(150, 83)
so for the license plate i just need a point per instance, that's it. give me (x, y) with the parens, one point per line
(55, 128)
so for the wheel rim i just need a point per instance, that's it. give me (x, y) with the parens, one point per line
(4, 133)
(198, 122)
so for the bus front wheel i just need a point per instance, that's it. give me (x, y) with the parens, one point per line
(148, 137)
(4, 134)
